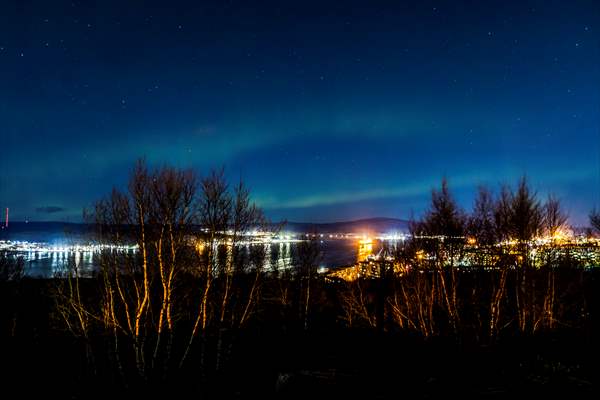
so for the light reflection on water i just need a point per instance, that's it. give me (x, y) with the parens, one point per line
(333, 254)
(364, 251)
(48, 264)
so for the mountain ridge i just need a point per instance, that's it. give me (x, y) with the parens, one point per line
(376, 224)
(371, 225)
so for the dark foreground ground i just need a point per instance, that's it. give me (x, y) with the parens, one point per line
(324, 362)
(330, 364)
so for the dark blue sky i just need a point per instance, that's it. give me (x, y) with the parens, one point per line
(329, 111)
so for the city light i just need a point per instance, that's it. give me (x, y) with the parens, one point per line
(365, 240)
(33, 247)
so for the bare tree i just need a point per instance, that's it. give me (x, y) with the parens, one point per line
(226, 216)
(524, 224)
(12, 271)
(306, 258)
(156, 214)
(173, 193)
(554, 221)
(481, 227)
(554, 218)
(526, 214)
(502, 227)
(246, 216)
(444, 217)
(595, 220)
(413, 301)
(356, 305)
(481, 223)
(214, 213)
(502, 214)
(444, 226)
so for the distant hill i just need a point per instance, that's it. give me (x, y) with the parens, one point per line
(50, 232)
(370, 225)
(64, 232)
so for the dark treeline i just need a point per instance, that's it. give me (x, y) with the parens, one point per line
(194, 308)
(482, 274)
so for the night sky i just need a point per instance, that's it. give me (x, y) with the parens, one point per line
(328, 112)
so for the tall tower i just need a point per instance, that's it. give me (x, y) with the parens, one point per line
(6, 221)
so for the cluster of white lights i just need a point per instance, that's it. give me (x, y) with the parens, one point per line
(392, 237)
(33, 247)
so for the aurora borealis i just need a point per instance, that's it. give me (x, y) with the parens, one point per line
(329, 111)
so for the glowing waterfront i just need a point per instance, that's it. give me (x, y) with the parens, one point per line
(345, 256)
(33, 247)
(581, 250)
